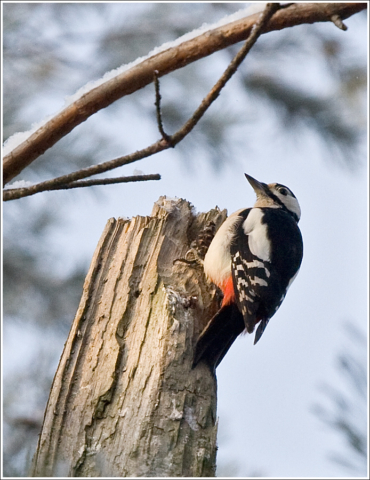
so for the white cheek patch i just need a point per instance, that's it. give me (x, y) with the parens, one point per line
(290, 202)
(258, 241)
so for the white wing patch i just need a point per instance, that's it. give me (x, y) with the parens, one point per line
(258, 281)
(258, 241)
(255, 264)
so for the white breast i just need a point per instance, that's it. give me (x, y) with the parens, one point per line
(217, 262)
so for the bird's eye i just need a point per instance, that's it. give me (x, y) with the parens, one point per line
(283, 191)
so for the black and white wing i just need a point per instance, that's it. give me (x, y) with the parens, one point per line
(266, 255)
(250, 272)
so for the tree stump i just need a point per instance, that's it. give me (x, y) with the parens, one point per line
(124, 400)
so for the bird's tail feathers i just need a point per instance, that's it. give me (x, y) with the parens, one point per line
(218, 336)
(260, 329)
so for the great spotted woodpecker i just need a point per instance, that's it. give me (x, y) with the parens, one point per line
(253, 258)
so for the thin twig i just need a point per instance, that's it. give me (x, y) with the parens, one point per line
(110, 181)
(163, 144)
(338, 22)
(94, 170)
(15, 193)
(257, 30)
(159, 111)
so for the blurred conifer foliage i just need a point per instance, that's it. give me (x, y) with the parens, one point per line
(345, 411)
(51, 50)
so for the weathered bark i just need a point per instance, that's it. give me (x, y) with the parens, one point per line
(124, 401)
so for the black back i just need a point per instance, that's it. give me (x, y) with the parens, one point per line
(261, 301)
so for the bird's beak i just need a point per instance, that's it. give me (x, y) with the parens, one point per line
(259, 187)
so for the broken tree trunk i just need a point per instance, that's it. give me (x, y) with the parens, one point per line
(124, 400)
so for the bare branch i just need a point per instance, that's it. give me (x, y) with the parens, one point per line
(64, 180)
(167, 61)
(162, 144)
(158, 109)
(15, 193)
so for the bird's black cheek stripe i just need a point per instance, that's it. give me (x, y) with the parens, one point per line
(281, 204)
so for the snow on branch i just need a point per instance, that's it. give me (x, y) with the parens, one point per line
(166, 141)
(25, 147)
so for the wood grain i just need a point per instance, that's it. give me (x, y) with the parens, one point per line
(124, 401)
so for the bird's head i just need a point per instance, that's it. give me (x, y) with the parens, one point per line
(275, 195)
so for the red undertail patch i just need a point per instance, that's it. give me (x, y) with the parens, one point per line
(228, 291)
